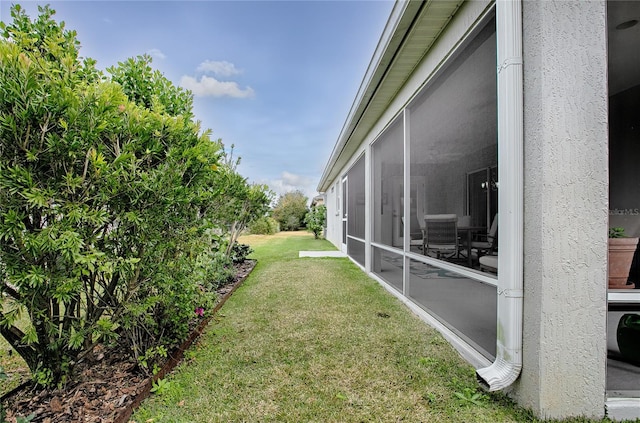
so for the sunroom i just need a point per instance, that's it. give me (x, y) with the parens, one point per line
(471, 180)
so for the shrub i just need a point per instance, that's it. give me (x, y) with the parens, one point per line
(290, 210)
(239, 252)
(102, 198)
(292, 223)
(264, 226)
(316, 219)
(224, 271)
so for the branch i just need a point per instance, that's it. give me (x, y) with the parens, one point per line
(14, 336)
(11, 291)
(11, 333)
(116, 147)
(86, 164)
(68, 318)
(26, 139)
(104, 301)
(45, 128)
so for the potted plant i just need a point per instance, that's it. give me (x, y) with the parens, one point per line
(621, 251)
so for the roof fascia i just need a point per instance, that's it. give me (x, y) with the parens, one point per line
(396, 29)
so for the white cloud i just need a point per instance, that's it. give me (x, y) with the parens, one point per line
(291, 179)
(222, 68)
(289, 182)
(156, 54)
(210, 87)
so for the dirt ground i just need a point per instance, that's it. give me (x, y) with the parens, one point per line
(104, 386)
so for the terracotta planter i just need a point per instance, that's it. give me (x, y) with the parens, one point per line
(621, 251)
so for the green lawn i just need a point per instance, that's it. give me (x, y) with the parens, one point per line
(14, 366)
(316, 340)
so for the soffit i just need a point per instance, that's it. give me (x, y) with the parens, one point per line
(415, 32)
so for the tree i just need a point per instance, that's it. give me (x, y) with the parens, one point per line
(315, 219)
(239, 204)
(290, 210)
(100, 192)
(233, 203)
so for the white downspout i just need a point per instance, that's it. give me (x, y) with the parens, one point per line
(506, 368)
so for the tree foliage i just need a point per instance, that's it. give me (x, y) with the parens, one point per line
(290, 210)
(266, 225)
(107, 230)
(233, 203)
(150, 89)
(315, 219)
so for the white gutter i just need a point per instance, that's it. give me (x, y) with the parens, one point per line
(506, 368)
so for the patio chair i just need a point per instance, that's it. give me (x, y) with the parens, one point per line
(488, 243)
(489, 263)
(441, 235)
(416, 239)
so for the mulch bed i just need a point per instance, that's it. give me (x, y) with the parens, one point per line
(107, 386)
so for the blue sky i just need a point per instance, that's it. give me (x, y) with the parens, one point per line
(275, 78)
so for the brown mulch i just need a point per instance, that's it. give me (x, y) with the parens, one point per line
(106, 385)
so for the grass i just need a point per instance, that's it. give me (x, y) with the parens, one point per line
(316, 340)
(13, 365)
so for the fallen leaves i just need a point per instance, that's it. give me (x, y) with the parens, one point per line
(99, 392)
(102, 387)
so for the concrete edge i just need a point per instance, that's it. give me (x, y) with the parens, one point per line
(337, 254)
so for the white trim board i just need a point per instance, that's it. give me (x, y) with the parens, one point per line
(339, 254)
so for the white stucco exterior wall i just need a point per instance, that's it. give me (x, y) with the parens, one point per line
(565, 203)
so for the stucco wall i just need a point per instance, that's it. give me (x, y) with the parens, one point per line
(566, 184)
